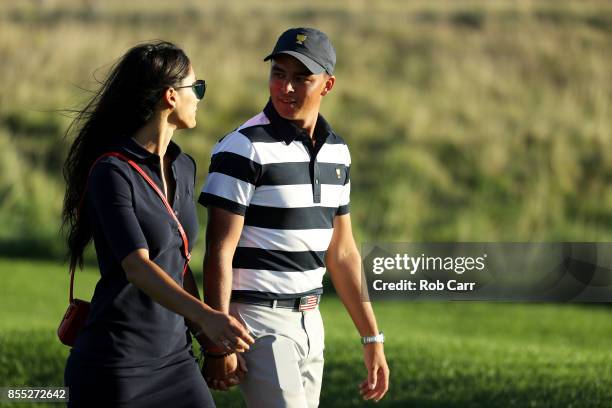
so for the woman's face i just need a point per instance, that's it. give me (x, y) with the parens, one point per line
(184, 114)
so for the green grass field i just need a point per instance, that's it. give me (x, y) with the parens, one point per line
(440, 354)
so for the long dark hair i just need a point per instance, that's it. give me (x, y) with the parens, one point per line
(122, 104)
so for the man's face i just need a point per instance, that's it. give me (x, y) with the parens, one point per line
(295, 92)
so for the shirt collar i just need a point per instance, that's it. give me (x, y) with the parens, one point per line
(286, 131)
(134, 149)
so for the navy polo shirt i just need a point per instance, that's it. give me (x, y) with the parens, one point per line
(125, 327)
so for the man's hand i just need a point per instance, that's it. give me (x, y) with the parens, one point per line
(225, 372)
(344, 266)
(376, 385)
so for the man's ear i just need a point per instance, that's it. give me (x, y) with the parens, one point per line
(169, 98)
(329, 84)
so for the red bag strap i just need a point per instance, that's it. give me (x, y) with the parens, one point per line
(161, 195)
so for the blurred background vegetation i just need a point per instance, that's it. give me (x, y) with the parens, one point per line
(467, 120)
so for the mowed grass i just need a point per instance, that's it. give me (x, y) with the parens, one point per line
(440, 354)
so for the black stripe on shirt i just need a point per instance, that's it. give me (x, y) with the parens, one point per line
(343, 209)
(211, 200)
(275, 260)
(333, 173)
(235, 165)
(289, 173)
(266, 134)
(259, 134)
(290, 218)
(334, 139)
(348, 175)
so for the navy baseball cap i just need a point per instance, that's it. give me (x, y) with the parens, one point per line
(310, 46)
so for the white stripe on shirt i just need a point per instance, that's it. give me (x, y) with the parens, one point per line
(286, 240)
(229, 187)
(277, 281)
(296, 196)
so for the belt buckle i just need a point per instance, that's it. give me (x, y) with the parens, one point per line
(308, 303)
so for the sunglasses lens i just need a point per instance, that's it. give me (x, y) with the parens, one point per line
(199, 88)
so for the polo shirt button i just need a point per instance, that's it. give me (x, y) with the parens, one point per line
(317, 181)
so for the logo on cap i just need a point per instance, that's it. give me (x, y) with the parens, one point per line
(300, 38)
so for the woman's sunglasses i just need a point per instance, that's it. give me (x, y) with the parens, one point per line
(199, 88)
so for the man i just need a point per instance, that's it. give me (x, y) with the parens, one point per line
(277, 195)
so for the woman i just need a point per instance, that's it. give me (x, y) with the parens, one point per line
(135, 349)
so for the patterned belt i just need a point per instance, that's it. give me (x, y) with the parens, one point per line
(300, 304)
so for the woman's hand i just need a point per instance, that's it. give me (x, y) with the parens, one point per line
(225, 331)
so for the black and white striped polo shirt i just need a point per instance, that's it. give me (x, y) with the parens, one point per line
(289, 192)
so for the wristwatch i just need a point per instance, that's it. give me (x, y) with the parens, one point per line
(380, 338)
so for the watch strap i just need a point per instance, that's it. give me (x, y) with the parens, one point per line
(379, 338)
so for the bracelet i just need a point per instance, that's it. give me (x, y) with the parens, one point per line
(215, 355)
(214, 352)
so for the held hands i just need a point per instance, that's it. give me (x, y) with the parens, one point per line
(376, 385)
(226, 332)
(221, 373)
(230, 337)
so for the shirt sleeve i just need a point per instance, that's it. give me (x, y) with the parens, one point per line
(345, 195)
(111, 198)
(234, 171)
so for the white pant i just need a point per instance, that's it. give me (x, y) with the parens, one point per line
(286, 362)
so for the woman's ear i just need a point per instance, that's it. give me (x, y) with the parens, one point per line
(169, 98)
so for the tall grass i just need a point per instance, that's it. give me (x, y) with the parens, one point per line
(473, 120)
